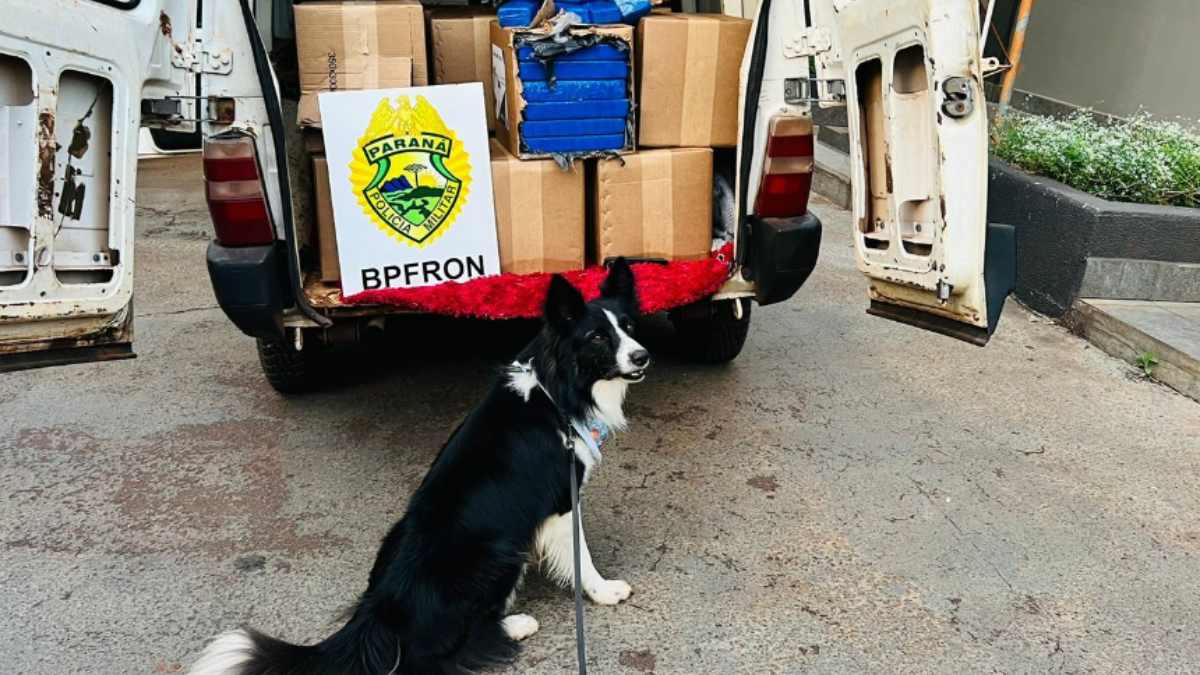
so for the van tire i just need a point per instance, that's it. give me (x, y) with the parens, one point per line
(715, 335)
(289, 371)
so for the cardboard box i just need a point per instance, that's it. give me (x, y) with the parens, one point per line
(540, 216)
(327, 252)
(308, 113)
(358, 44)
(460, 48)
(314, 141)
(510, 97)
(688, 85)
(658, 205)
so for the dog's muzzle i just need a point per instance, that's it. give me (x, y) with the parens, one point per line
(640, 361)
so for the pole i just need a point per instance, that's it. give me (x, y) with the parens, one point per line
(1014, 53)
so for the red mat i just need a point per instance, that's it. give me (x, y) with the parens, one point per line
(520, 296)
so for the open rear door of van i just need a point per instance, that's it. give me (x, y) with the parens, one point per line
(919, 150)
(77, 78)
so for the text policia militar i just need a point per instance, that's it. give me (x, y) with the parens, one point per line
(422, 273)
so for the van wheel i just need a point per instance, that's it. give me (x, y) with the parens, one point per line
(712, 332)
(289, 371)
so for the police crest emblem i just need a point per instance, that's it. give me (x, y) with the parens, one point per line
(411, 173)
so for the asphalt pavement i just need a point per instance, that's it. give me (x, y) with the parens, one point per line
(849, 496)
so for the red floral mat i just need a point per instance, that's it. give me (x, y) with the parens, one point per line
(520, 296)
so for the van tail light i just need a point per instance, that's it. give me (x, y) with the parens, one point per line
(234, 191)
(787, 169)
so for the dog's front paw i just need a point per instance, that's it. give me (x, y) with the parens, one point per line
(609, 592)
(519, 626)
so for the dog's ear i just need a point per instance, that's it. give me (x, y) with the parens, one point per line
(564, 303)
(619, 284)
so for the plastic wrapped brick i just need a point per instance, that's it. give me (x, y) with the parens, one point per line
(517, 13)
(632, 10)
(573, 90)
(576, 144)
(581, 127)
(573, 110)
(531, 71)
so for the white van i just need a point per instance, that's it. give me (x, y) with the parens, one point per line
(79, 77)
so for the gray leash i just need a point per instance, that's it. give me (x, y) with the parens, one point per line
(576, 528)
(580, 641)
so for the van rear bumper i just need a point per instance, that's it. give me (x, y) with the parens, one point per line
(251, 286)
(783, 253)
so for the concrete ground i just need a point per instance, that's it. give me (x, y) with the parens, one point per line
(1164, 337)
(850, 495)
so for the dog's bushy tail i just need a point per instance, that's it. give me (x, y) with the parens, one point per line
(358, 648)
(361, 647)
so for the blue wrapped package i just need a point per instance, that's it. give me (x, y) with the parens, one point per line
(568, 144)
(517, 13)
(599, 52)
(520, 13)
(575, 110)
(532, 71)
(605, 12)
(574, 90)
(585, 127)
(632, 10)
(592, 11)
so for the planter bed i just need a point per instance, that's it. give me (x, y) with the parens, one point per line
(1058, 228)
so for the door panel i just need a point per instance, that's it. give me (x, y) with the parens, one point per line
(72, 78)
(918, 150)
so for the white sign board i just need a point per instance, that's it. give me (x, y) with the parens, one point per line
(411, 182)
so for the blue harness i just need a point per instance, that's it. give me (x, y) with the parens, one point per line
(594, 434)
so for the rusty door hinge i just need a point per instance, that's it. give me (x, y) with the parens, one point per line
(810, 42)
(202, 57)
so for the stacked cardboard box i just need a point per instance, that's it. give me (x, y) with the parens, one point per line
(357, 44)
(688, 89)
(540, 219)
(460, 50)
(326, 244)
(657, 204)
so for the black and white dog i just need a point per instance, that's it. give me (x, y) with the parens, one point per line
(496, 498)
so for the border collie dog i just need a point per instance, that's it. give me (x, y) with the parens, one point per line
(496, 499)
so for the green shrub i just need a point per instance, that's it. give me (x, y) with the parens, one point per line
(1136, 160)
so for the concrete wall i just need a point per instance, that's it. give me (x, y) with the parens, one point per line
(1115, 55)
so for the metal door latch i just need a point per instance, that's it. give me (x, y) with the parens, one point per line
(813, 90)
(165, 109)
(943, 291)
(958, 97)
